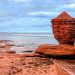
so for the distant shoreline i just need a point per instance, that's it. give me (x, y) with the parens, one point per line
(25, 33)
(29, 34)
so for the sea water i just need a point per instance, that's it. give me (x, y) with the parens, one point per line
(28, 41)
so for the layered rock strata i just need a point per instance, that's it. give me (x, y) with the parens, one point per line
(64, 28)
(64, 32)
(56, 50)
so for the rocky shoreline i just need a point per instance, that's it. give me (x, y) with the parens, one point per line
(33, 63)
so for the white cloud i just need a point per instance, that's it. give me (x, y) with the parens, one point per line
(42, 13)
(18, 1)
(71, 5)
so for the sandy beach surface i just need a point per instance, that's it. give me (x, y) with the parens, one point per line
(32, 63)
(29, 64)
(24, 65)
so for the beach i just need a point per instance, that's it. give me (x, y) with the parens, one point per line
(34, 64)
(15, 60)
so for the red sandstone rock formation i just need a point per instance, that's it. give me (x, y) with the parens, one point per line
(64, 31)
(64, 28)
(56, 50)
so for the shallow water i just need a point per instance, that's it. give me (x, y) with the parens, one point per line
(28, 41)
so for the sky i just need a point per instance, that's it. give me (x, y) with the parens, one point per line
(26, 16)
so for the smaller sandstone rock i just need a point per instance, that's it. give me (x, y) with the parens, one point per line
(56, 50)
(27, 55)
(10, 51)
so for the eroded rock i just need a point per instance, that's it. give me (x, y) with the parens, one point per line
(56, 50)
(64, 28)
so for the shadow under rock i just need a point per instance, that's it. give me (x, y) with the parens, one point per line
(67, 57)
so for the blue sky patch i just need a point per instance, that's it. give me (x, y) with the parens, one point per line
(32, 15)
